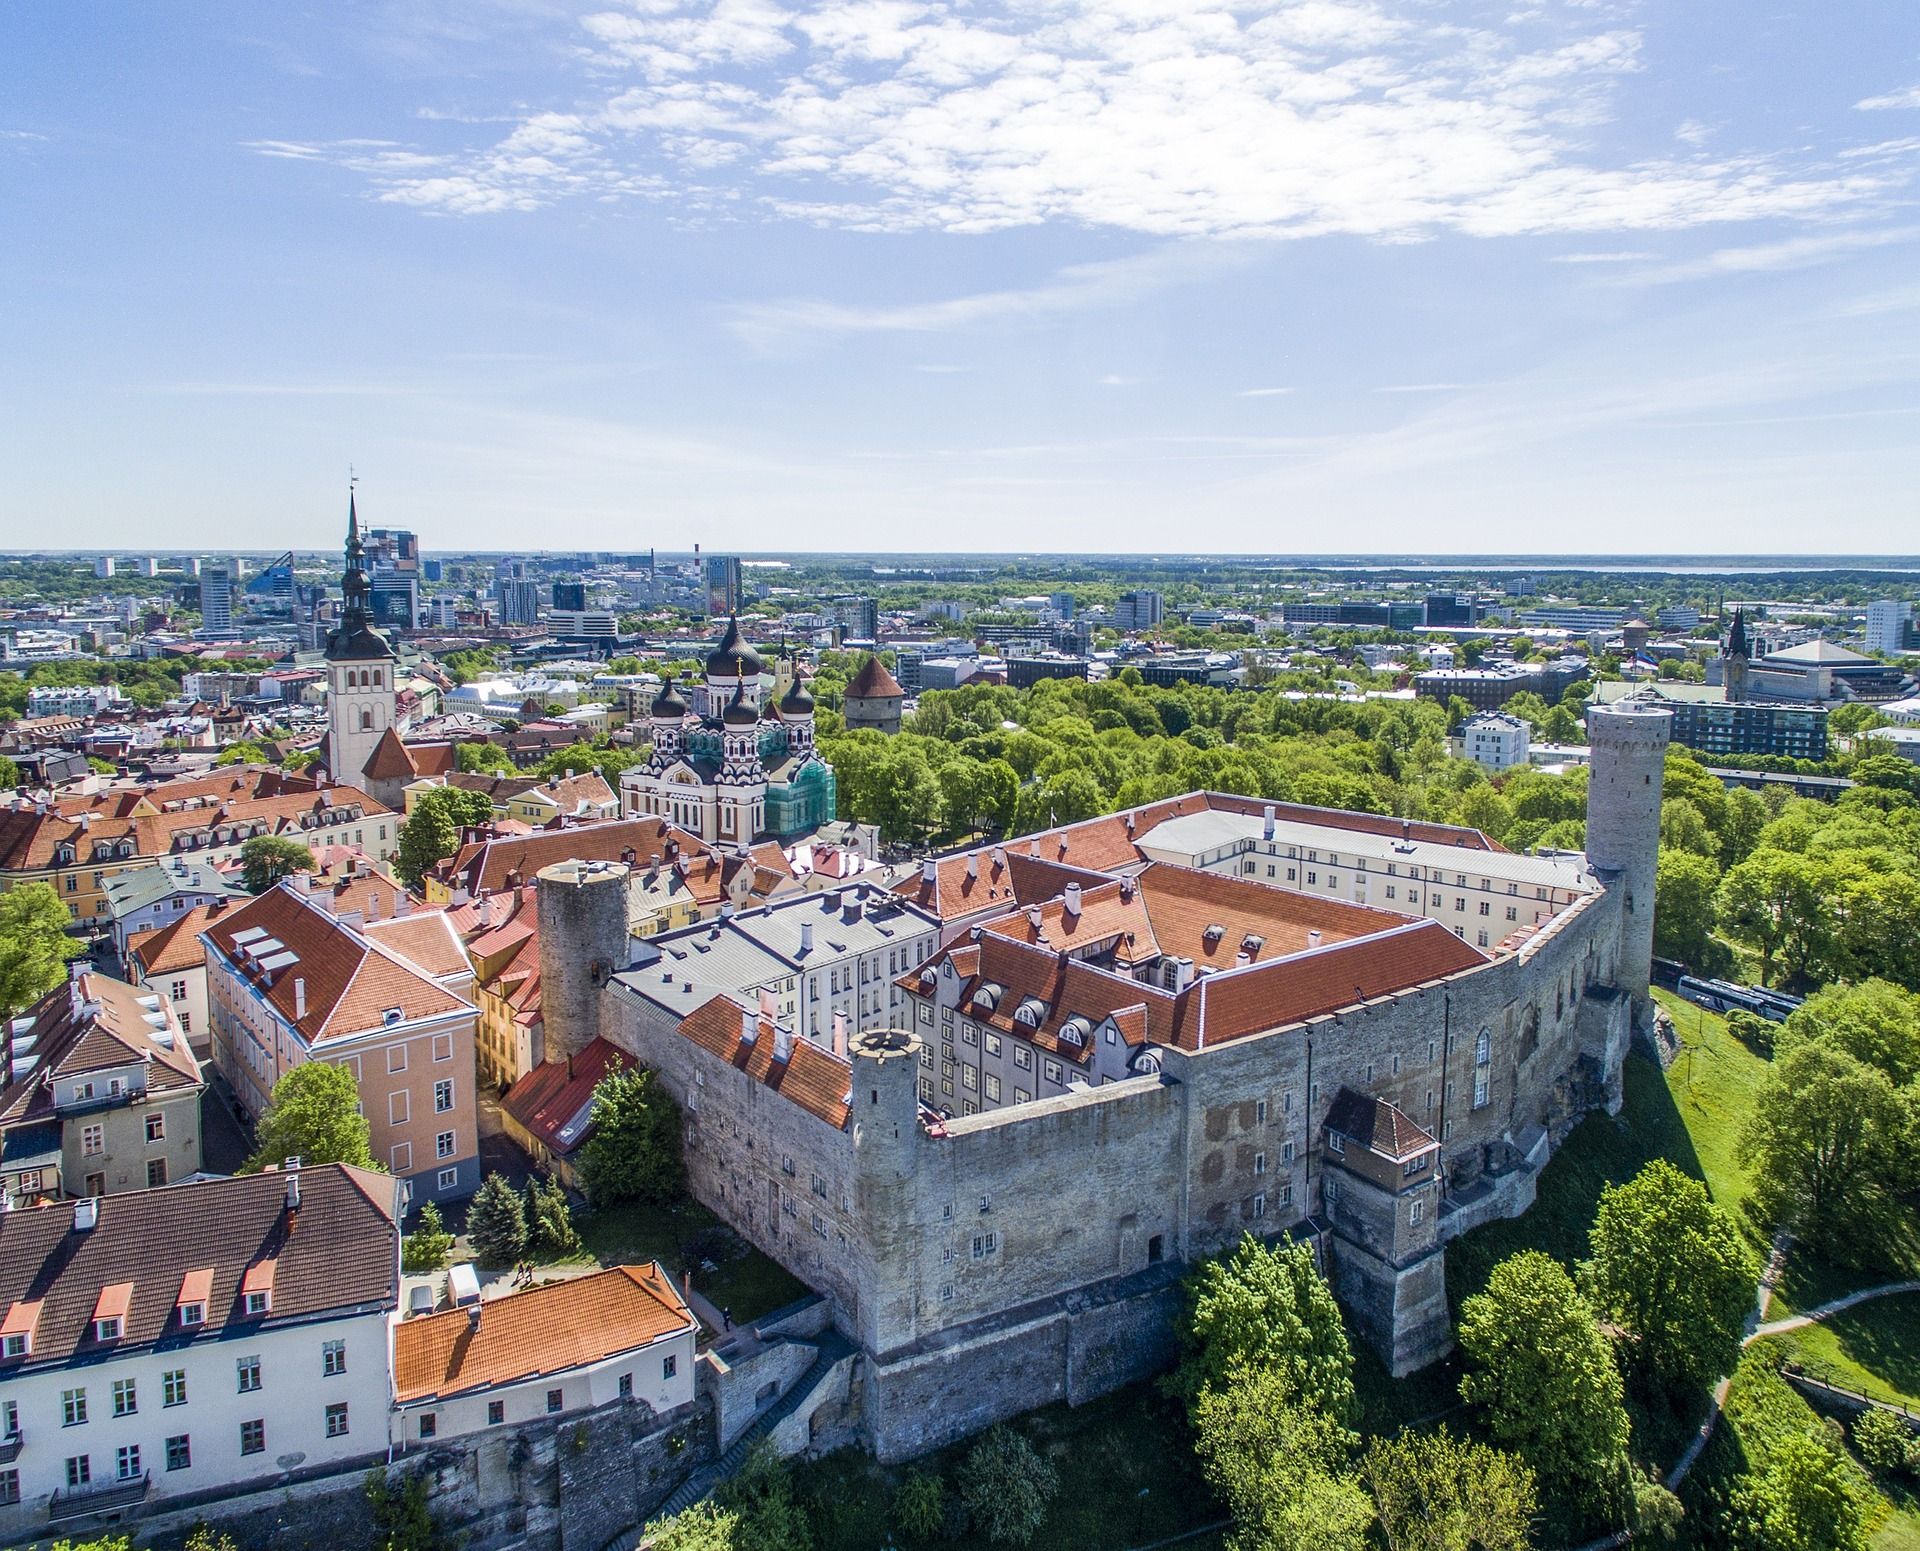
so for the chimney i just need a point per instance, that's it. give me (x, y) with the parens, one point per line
(1033, 917)
(1126, 891)
(473, 1312)
(299, 997)
(840, 1035)
(1266, 822)
(1313, 938)
(373, 905)
(782, 1044)
(1073, 899)
(930, 872)
(973, 865)
(293, 1184)
(1033, 848)
(86, 1212)
(1000, 857)
(749, 1026)
(806, 937)
(300, 882)
(852, 904)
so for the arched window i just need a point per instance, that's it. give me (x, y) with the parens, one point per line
(366, 721)
(1483, 1047)
(376, 678)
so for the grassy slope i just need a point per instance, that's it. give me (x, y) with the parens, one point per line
(1873, 1348)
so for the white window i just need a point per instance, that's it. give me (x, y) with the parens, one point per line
(1260, 1205)
(93, 1140)
(1336, 1143)
(443, 1145)
(333, 1357)
(443, 1095)
(1479, 1089)
(173, 1387)
(1417, 1211)
(1259, 1163)
(125, 1399)
(337, 1419)
(73, 1407)
(156, 1127)
(447, 1179)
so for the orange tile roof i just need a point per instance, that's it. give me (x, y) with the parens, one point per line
(547, 1099)
(813, 1077)
(534, 1334)
(873, 681)
(176, 946)
(425, 938)
(349, 979)
(1375, 1124)
(1018, 879)
(89, 1024)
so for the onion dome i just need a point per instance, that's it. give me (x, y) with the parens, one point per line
(667, 705)
(738, 712)
(733, 657)
(797, 701)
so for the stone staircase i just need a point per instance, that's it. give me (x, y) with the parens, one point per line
(829, 1349)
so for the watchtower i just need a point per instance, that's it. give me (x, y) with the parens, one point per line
(883, 1115)
(582, 913)
(1629, 743)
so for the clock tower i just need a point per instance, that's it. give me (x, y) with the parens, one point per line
(360, 671)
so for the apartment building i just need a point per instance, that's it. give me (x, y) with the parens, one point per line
(142, 898)
(192, 1339)
(288, 981)
(102, 1094)
(1495, 742)
(172, 960)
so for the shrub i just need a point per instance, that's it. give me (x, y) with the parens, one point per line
(424, 1251)
(497, 1222)
(919, 1506)
(1882, 1440)
(1006, 1487)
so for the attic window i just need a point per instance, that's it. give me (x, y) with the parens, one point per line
(106, 1329)
(1076, 1030)
(1336, 1143)
(392, 1015)
(1030, 1012)
(1214, 932)
(260, 1302)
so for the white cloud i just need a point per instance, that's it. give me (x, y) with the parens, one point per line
(1116, 380)
(1173, 118)
(1618, 256)
(1766, 257)
(1424, 387)
(1078, 287)
(1910, 98)
(1263, 393)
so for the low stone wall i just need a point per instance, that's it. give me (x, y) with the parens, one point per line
(570, 1484)
(739, 1387)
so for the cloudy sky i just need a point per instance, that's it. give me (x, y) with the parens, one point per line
(1161, 275)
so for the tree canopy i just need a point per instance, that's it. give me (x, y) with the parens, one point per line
(34, 945)
(313, 1115)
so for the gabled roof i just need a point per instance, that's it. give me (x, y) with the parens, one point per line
(346, 980)
(95, 1023)
(1002, 876)
(539, 1333)
(176, 946)
(425, 938)
(553, 1102)
(339, 1252)
(1378, 1126)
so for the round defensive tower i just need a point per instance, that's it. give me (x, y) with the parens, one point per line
(582, 911)
(1629, 744)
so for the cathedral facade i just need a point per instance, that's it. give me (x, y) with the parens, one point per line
(736, 764)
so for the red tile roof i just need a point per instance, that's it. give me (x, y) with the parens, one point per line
(1378, 1126)
(1002, 876)
(813, 1077)
(538, 1333)
(176, 946)
(873, 681)
(549, 1098)
(93, 1023)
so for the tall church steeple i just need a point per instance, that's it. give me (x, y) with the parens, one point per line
(1734, 668)
(361, 664)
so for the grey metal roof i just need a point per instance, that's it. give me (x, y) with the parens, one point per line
(139, 887)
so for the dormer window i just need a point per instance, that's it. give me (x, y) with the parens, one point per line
(192, 1314)
(260, 1302)
(110, 1311)
(19, 1344)
(1336, 1143)
(106, 1330)
(256, 1289)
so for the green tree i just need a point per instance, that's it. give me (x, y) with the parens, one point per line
(266, 859)
(1825, 1143)
(313, 1115)
(245, 751)
(1882, 1440)
(919, 1505)
(10, 776)
(1437, 1492)
(206, 1538)
(1545, 1376)
(1875, 1021)
(1265, 1306)
(760, 1494)
(1775, 902)
(1684, 887)
(478, 758)
(1006, 1487)
(1280, 1465)
(1669, 1269)
(633, 1152)
(425, 1250)
(432, 831)
(402, 1513)
(550, 1230)
(34, 945)
(1801, 1500)
(497, 1222)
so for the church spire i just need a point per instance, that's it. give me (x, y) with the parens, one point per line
(1737, 637)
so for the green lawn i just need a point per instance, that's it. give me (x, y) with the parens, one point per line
(686, 1237)
(1873, 1348)
(1127, 1478)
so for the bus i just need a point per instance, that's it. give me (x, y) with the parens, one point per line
(1723, 996)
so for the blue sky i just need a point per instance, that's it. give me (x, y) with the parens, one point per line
(1161, 275)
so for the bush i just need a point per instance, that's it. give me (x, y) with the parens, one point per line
(1752, 1030)
(1882, 1440)
(1006, 1487)
(497, 1223)
(633, 1153)
(919, 1506)
(425, 1250)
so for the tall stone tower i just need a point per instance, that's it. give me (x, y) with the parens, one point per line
(1629, 744)
(581, 908)
(883, 1114)
(360, 671)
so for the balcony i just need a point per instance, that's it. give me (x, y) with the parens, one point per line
(10, 1447)
(109, 1497)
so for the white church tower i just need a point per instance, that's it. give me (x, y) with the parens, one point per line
(360, 672)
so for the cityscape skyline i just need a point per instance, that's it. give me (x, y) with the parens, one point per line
(791, 278)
